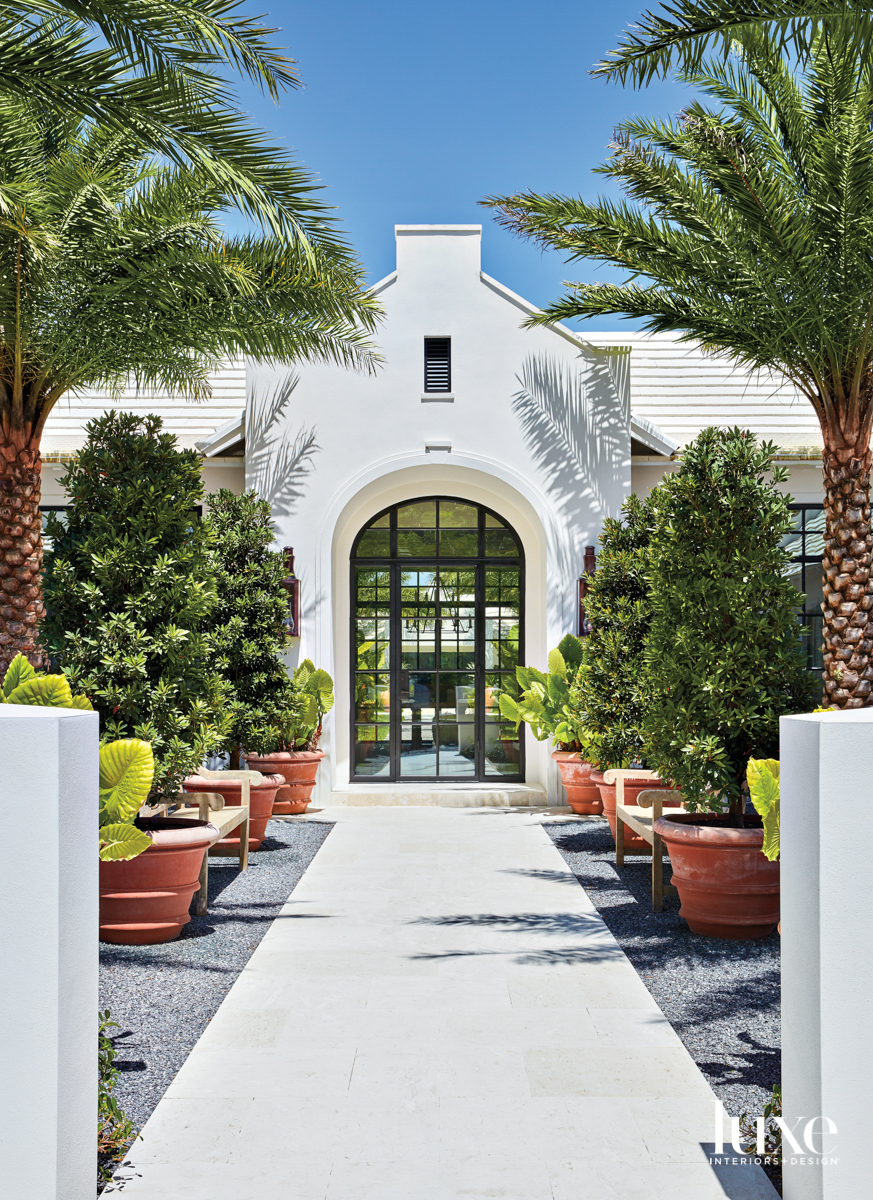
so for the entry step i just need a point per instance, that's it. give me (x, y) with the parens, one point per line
(511, 795)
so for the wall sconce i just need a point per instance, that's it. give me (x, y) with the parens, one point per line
(589, 566)
(291, 584)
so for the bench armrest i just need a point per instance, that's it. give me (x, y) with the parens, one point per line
(251, 776)
(657, 799)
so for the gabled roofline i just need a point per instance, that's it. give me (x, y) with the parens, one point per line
(562, 330)
(376, 288)
(650, 435)
(224, 437)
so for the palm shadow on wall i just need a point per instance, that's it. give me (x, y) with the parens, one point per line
(575, 420)
(279, 459)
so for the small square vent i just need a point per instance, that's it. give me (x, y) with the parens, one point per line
(437, 364)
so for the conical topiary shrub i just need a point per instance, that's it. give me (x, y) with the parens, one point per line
(246, 623)
(723, 657)
(129, 586)
(617, 606)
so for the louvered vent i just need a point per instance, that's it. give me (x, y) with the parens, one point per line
(437, 364)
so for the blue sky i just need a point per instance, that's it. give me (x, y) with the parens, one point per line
(412, 112)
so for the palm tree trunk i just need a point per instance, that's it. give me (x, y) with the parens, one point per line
(848, 590)
(21, 606)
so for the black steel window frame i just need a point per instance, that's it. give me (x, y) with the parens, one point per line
(395, 565)
(812, 623)
(431, 343)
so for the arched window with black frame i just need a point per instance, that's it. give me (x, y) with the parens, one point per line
(437, 595)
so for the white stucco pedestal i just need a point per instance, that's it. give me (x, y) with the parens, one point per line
(827, 964)
(48, 952)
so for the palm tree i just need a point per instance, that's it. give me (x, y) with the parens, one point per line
(115, 267)
(680, 34)
(752, 234)
(154, 68)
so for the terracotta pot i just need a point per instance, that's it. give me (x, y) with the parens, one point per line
(260, 806)
(511, 749)
(298, 769)
(583, 796)
(632, 788)
(727, 887)
(146, 899)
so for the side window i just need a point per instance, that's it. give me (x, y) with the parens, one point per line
(805, 543)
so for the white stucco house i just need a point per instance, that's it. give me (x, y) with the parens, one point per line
(439, 510)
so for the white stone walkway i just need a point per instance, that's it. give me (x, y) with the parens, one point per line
(438, 1012)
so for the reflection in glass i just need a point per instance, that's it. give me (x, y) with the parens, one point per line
(382, 522)
(412, 543)
(500, 545)
(454, 515)
(372, 756)
(372, 698)
(456, 694)
(421, 515)
(458, 543)
(457, 637)
(418, 698)
(374, 543)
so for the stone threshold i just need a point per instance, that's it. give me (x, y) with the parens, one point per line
(510, 795)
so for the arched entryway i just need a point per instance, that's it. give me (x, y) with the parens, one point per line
(437, 595)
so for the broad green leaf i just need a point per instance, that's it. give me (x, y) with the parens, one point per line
(509, 709)
(557, 666)
(771, 833)
(127, 769)
(122, 841)
(46, 691)
(763, 777)
(82, 702)
(309, 711)
(19, 671)
(572, 650)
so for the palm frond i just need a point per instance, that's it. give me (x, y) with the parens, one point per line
(679, 36)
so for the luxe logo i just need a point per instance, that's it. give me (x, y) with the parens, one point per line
(806, 1140)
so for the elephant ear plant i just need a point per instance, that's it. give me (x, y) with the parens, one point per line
(312, 699)
(127, 767)
(763, 778)
(549, 700)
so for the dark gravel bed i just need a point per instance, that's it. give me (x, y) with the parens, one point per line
(164, 996)
(721, 997)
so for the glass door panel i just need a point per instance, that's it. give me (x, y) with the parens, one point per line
(371, 704)
(502, 751)
(437, 634)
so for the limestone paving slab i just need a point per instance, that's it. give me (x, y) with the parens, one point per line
(438, 1012)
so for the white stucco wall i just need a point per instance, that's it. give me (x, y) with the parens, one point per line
(538, 430)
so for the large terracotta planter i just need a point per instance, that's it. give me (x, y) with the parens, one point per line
(727, 887)
(260, 806)
(298, 769)
(583, 796)
(146, 899)
(632, 788)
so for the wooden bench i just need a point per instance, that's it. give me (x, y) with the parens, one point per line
(640, 818)
(210, 806)
(651, 804)
(247, 778)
